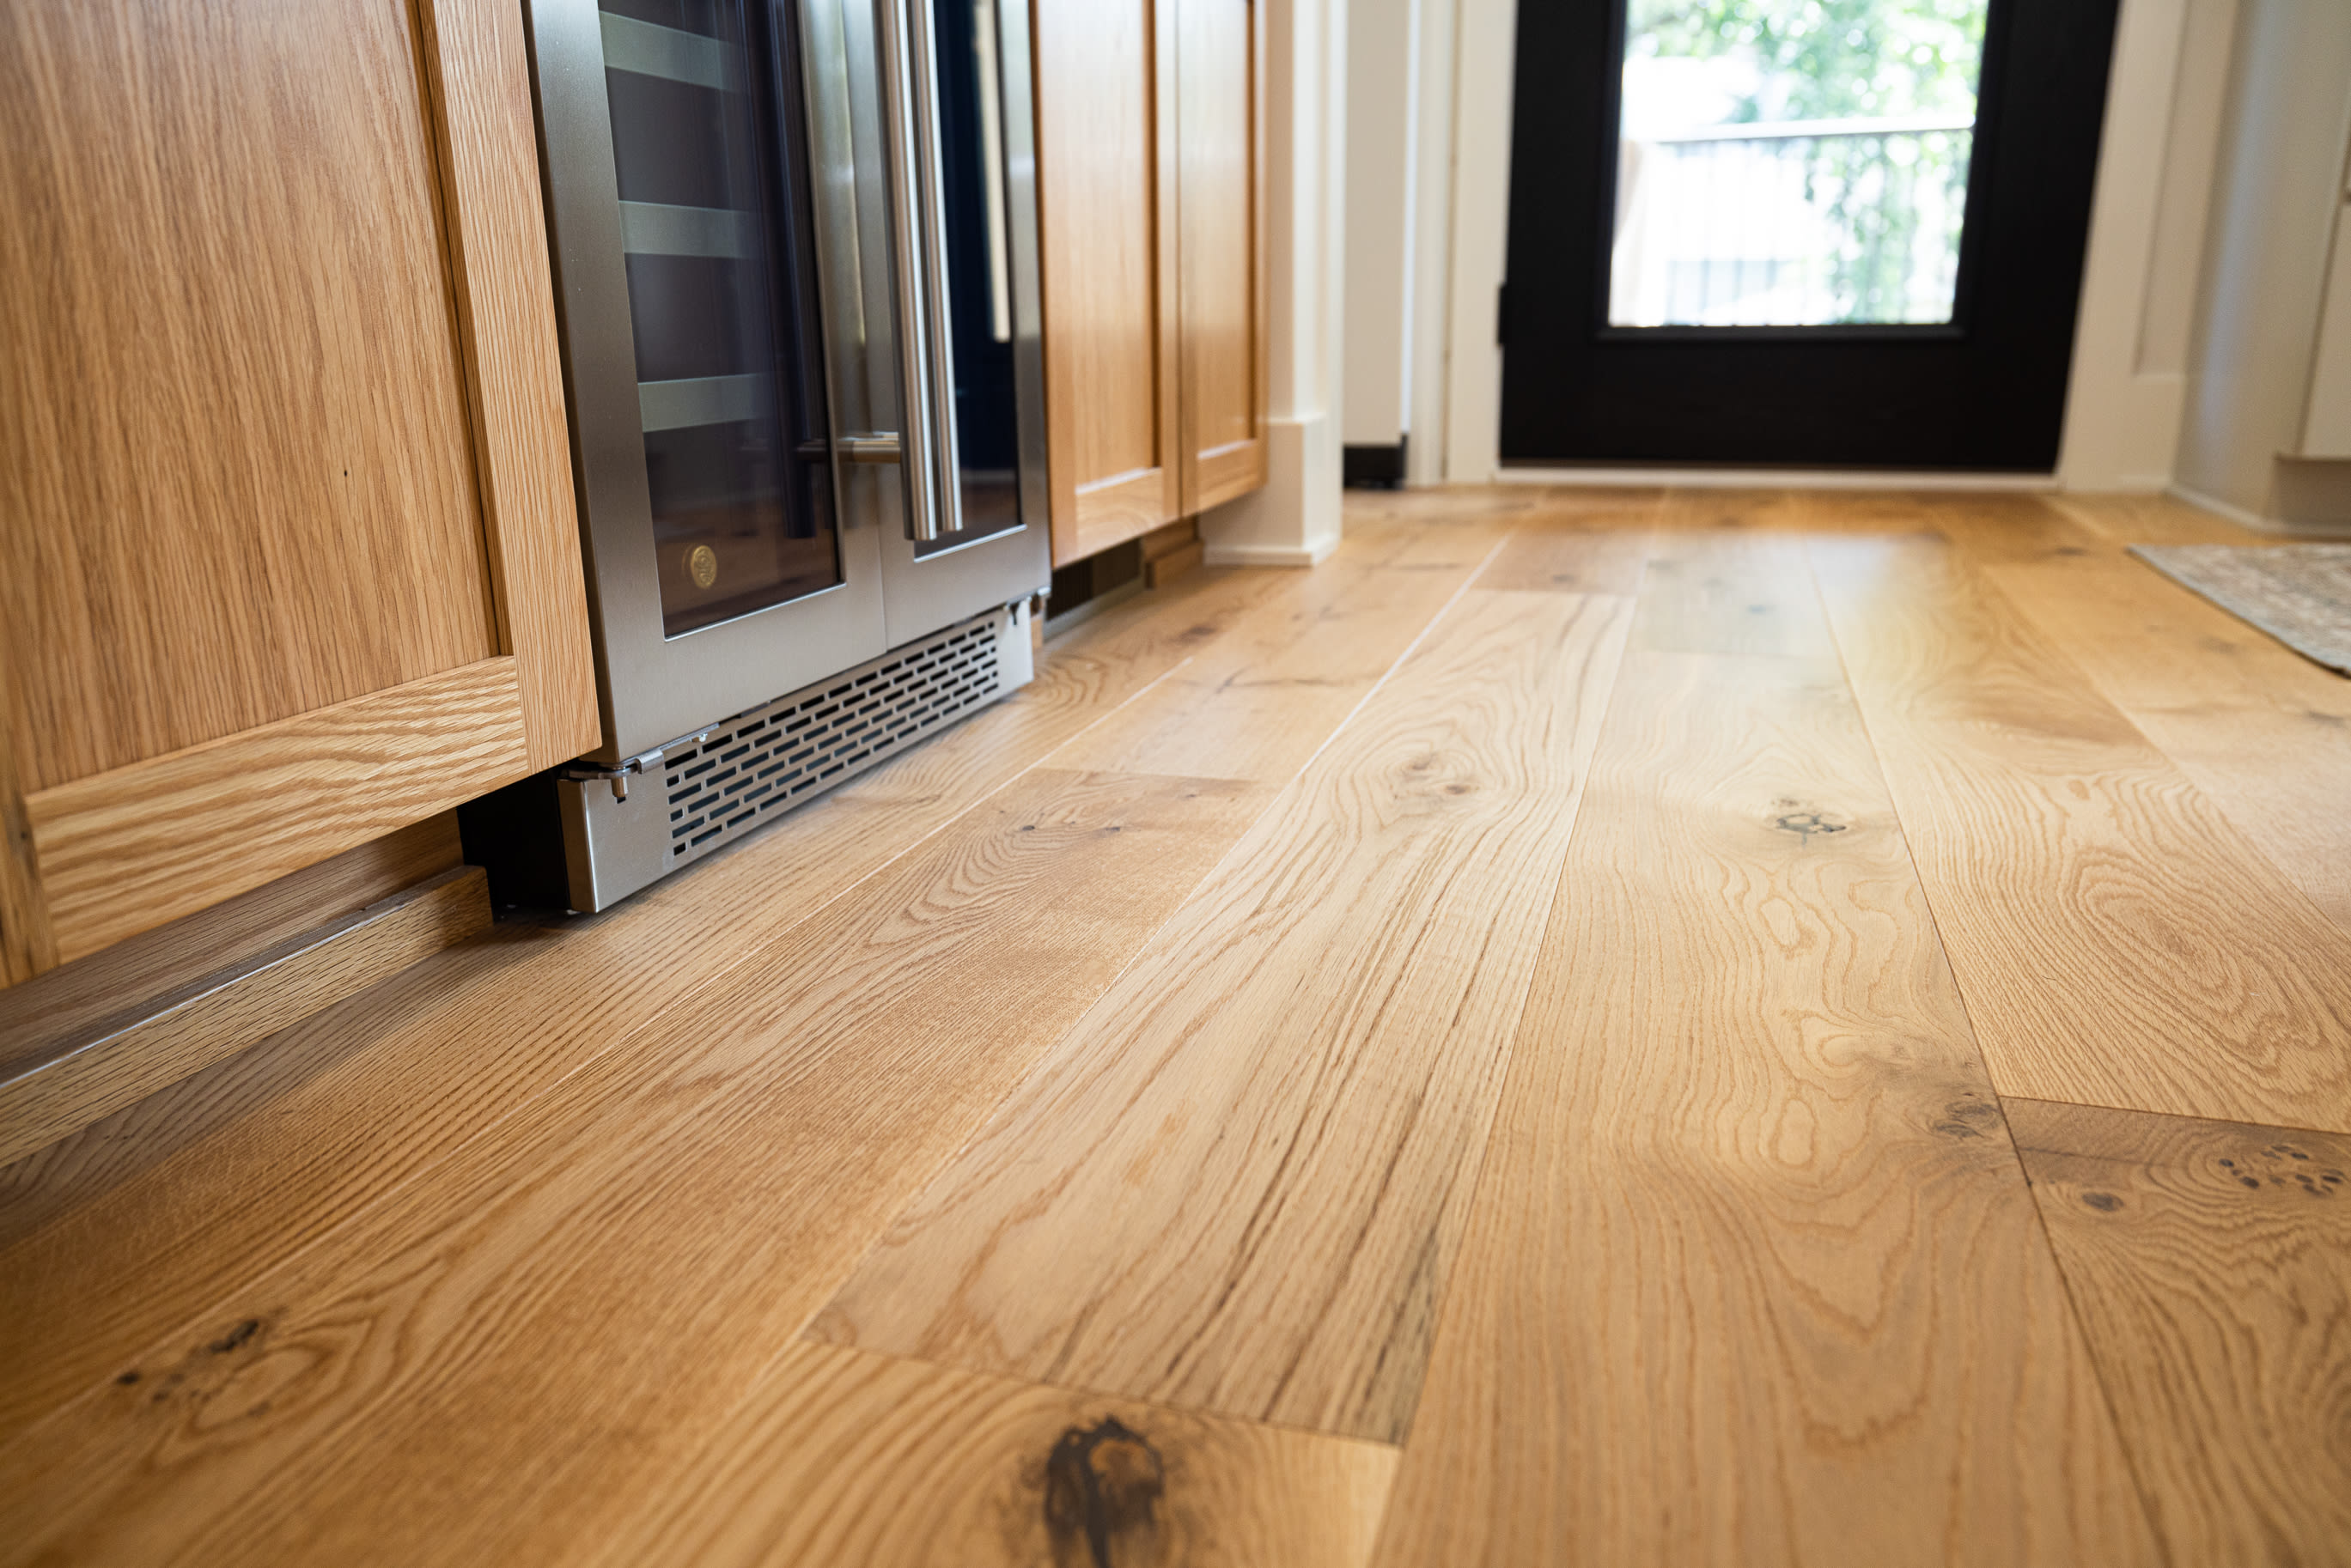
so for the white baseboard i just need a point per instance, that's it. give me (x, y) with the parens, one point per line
(1778, 479)
(2253, 520)
(1312, 554)
(1294, 518)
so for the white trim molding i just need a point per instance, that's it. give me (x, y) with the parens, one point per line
(1294, 520)
(1777, 478)
(2128, 392)
(1296, 515)
(1485, 58)
(2255, 520)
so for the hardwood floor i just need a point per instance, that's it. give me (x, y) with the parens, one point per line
(2057, 843)
(1239, 1184)
(1620, 1027)
(1751, 1278)
(2210, 1264)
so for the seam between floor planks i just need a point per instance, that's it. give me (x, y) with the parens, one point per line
(2210, 1266)
(2130, 1459)
(620, 1223)
(1011, 1475)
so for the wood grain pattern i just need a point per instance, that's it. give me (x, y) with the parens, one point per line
(123, 852)
(2219, 698)
(1259, 703)
(119, 985)
(1732, 595)
(2211, 1266)
(1239, 1184)
(1106, 201)
(1752, 1278)
(1749, 1275)
(840, 1457)
(219, 1015)
(1220, 64)
(1548, 554)
(2118, 941)
(1115, 510)
(236, 473)
(480, 76)
(433, 1337)
(2155, 520)
(28, 943)
(120, 1233)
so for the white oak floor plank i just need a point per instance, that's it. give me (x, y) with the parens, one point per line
(856, 1460)
(2118, 941)
(1257, 703)
(1753, 1277)
(2210, 1265)
(1237, 1186)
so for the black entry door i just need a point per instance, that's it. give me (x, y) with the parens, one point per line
(1814, 233)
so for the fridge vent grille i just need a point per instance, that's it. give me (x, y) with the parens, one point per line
(743, 771)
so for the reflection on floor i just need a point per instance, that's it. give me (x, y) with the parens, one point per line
(1596, 1027)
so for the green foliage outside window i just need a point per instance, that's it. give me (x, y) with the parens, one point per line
(1837, 59)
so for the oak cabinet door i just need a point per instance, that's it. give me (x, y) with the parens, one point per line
(289, 557)
(1106, 171)
(1220, 65)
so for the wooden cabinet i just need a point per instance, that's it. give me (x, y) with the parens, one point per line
(1221, 260)
(1151, 197)
(289, 557)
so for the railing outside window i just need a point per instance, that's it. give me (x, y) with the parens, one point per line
(1798, 222)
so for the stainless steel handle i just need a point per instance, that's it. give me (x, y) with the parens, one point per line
(918, 228)
(872, 446)
(991, 137)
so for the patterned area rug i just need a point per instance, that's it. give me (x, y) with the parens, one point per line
(2299, 594)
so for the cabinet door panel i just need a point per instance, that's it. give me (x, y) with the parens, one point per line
(1105, 138)
(1223, 390)
(235, 481)
(285, 493)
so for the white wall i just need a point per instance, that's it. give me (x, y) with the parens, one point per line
(2156, 161)
(2129, 382)
(1432, 242)
(2265, 265)
(1294, 520)
(1383, 83)
(1484, 43)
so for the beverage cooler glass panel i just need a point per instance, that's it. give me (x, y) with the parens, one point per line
(796, 265)
(729, 351)
(978, 267)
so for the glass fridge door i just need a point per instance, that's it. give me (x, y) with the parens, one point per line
(978, 248)
(961, 200)
(728, 334)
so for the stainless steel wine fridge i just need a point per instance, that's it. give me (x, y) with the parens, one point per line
(796, 256)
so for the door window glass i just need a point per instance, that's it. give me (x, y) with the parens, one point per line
(1794, 162)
